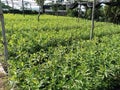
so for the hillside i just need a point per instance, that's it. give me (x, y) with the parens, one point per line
(56, 53)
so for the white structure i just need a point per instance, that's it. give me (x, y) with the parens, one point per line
(49, 2)
(28, 4)
(32, 5)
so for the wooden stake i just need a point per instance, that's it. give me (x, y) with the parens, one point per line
(3, 33)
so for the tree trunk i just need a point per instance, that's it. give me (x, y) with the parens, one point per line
(7, 2)
(23, 8)
(79, 11)
(3, 33)
(39, 14)
(92, 25)
(12, 6)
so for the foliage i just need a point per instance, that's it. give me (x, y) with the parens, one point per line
(57, 54)
(41, 9)
(5, 6)
(72, 13)
(108, 13)
(112, 14)
(40, 2)
(55, 8)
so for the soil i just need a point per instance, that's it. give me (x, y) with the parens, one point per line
(3, 74)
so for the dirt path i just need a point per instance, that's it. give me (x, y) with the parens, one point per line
(3, 75)
(3, 78)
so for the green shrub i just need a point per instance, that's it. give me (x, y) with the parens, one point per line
(57, 53)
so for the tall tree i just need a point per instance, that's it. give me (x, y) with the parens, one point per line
(79, 9)
(55, 8)
(92, 24)
(23, 8)
(12, 5)
(41, 9)
(3, 33)
(7, 2)
(112, 12)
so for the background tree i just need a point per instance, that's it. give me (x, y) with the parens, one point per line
(7, 2)
(12, 5)
(23, 9)
(112, 13)
(79, 9)
(55, 8)
(41, 8)
(92, 25)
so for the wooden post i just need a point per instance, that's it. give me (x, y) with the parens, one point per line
(3, 33)
(92, 24)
